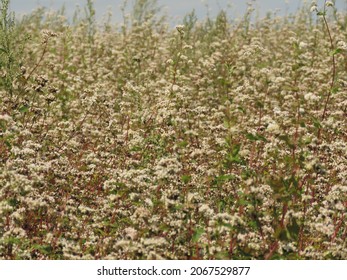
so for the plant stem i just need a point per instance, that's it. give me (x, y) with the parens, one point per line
(333, 76)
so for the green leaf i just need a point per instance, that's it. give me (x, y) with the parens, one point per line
(136, 149)
(219, 180)
(302, 124)
(221, 206)
(259, 104)
(317, 123)
(183, 144)
(293, 229)
(253, 224)
(337, 51)
(243, 110)
(279, 189)
(43, 249)
(13, 202)
(13, 240)
(261, 138)
(251, 137)
(164, 227)
(233, 159)
(186, 179)
(8, 144)
(235, 150)
(334, 90)
(229, 226)
(246, 173)
(197, 234)
(99, 232)
(244, 202)
(226, 177)
(24, 109)
(3, 125)
(256, 137)
(281, 234)
(287, 140)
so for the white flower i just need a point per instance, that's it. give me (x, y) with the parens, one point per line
(314, 8)
(204, 208)
(249, 182)
(154, 241)
(311, 97)
(149, 202)
(180, 29)
(302, 45)
(175, 87)
(273, 128)
(342, 45)
(329, 4)
(131, 233)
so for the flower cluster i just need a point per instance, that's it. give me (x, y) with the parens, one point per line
(212, 142)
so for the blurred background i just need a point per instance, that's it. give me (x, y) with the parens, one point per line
(175, 10)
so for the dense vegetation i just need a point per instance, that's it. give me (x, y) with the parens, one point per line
(217, 139)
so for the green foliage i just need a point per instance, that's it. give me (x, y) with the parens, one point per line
(145, 11)
(9, 49)
(202, 141)
(189, 22)
(90, 18)
(197, 234)
(256, 137)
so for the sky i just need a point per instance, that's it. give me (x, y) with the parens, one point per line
(175, 9)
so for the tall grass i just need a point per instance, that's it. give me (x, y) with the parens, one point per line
(217, 139)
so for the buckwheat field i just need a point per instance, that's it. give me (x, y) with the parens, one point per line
(215, 139)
